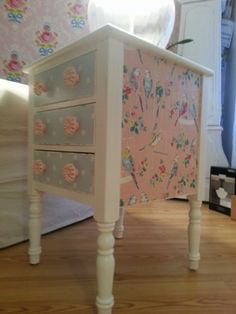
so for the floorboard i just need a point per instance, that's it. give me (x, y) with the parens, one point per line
(151, 274)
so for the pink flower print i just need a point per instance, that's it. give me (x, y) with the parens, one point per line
(70, 173)
(14, 65)
(133, 114)
(46, 36)
(39, 167)
(15, 3)
(143, 168)
(15, 10)
(46, 40)
(71, 125)
(70, 76)
(39, 88)
(162, 169)
(127, 90)
(77, 9)
(39, 127)
(78, 13)
(13, 68)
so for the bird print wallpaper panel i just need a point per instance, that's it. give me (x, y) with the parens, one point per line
(31, 30)
(160, 128)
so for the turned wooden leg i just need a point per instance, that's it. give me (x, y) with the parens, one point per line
(194, 230)
(35, 228)
(105, 268)
(119, 227)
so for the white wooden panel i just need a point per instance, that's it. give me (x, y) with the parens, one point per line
(200, 21)
(108, 113)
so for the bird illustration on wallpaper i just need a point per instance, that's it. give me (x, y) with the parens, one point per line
(136, 84)
(154, 141)
(173, 170)
(13, 68)
(182, 109)
(128, 164)
(180, 141)
(77, 12)
(147, 86)
(193, 113)
(46, 40)
(159, 93)
(15, 10)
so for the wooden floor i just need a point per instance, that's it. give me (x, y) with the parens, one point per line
(151, 267)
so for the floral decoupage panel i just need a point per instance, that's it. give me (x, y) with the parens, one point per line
(160, 128)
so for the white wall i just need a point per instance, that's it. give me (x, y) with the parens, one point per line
(229, 112)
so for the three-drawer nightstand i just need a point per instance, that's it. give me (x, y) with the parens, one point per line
(115, 121)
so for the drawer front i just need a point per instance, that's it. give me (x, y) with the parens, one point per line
(71, 171)
(69, 126)
(67, 81)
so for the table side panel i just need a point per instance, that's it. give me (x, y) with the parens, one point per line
(160, 128)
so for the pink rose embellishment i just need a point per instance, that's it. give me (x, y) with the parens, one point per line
(71, 125)
(39, 88)
(70, 76)
(39, 127)
(39, 167)
(70, 173)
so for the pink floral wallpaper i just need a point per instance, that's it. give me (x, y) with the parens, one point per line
(160, 128)
(33, 29)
